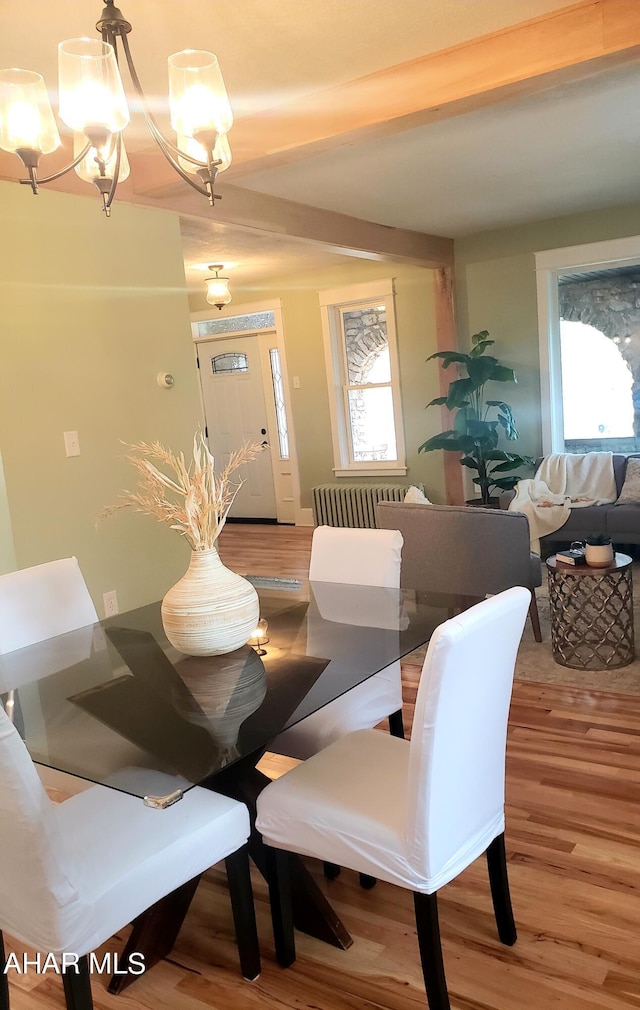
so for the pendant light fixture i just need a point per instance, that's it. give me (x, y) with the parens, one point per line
(218, 293)
(93, 105)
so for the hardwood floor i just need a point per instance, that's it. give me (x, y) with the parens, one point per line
(573, 844)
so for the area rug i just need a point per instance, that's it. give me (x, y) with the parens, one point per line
(536, 663)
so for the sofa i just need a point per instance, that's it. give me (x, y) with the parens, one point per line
(621, 522)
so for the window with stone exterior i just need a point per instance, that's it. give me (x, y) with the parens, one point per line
(600, 359)
(362, 367)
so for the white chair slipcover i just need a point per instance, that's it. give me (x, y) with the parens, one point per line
(415, 813)
(74, 873)
(360, 557)
(42, 602)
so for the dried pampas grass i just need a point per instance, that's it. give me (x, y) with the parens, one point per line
(195, 501)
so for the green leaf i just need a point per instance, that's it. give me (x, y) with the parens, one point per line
(506, 418)
(503, 374)
(460, 420)
(504, 407)
(510, 464)
(481, 348)
(481, 370)
(510, 430)
(476, 338)
(470, 462)
(439, 400)
(505, 483)
(450, 358)
(458, 392)
(483, 429)
(447, 440)
(513, 463)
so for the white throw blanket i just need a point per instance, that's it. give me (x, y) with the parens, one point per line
(563, 481)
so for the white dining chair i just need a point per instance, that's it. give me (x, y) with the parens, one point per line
(42, 602)
(414, 813)
(72, 874)
(361, 557)
(36, 604)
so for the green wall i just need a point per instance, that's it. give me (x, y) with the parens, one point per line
(92, 310)
(496, 290)
(305, 358)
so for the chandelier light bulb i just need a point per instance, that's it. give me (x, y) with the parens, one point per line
(26, 116)
(89, 168)
(23, 126)
(218, 293)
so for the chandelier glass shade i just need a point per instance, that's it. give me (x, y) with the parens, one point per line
(90, 91)
(197, 96)
(26, 119)
(92, 103)
(218, 293)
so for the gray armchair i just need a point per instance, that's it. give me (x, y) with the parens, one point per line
(464, 551)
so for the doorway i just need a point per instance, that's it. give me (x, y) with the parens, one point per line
(243, 395)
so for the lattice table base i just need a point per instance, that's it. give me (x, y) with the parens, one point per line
(592, 616)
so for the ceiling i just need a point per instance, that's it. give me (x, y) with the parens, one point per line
(504, 156)
(568, 149)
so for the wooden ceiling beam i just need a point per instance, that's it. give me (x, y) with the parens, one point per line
(564, 45)
(339, 233)
(153, 184)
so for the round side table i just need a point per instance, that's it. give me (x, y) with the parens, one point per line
(591, 614)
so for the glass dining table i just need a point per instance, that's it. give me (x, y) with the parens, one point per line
(116, 704)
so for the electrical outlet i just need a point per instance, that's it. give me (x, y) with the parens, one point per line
(71, 443)
(110, 600)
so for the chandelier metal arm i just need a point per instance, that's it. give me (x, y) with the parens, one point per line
(56, 175)
(107, 197)
(165, 146)
(166, 150)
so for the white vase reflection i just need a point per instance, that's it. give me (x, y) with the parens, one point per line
(226, 696)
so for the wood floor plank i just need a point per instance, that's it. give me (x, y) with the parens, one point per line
(573, 848)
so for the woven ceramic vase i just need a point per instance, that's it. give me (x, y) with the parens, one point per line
(211, 610)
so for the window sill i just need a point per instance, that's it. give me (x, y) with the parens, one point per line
(371, 471)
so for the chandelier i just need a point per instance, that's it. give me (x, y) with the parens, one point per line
(218, 293)
(93, 105)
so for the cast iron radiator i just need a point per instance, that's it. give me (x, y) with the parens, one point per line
(351, 505)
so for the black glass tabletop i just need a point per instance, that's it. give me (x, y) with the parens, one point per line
(116, 704)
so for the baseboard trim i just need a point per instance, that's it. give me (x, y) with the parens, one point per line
(258, 522)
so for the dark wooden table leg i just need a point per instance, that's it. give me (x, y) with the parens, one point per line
(312, 913)
(154, 933)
